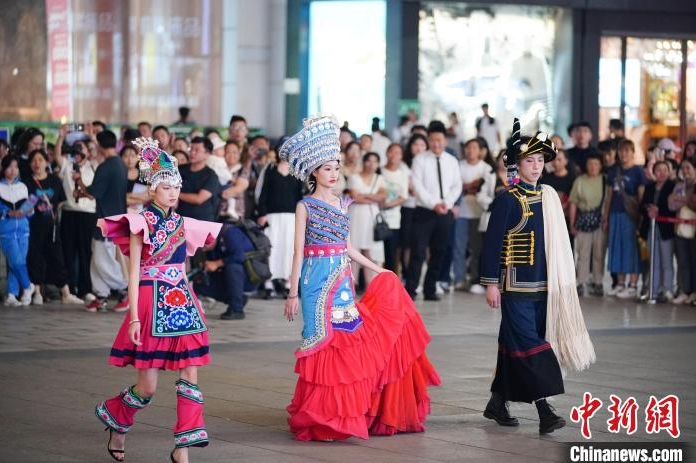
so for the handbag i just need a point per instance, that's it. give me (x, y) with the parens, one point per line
(380, 229)
(630, 203)
(589, 221)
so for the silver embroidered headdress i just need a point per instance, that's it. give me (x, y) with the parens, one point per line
(156, 165)
(316, 144)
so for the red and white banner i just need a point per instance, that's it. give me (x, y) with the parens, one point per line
(60, 58)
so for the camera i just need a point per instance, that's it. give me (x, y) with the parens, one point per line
(75, 127)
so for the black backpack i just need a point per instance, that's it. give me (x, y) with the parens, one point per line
(256, 263)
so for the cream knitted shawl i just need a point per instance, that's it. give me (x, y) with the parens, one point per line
(565, 325)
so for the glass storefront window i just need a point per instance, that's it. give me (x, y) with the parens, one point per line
(120, 61)
(653, 87)
(609, 83)
(469, 55)
(691, 90)
(347, 61)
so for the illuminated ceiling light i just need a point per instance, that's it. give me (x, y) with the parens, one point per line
(658, 45)
(676, 45)
(15, 71)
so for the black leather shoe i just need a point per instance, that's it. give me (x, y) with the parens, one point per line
(431, 297)
(497, 409)
(232, 316)
(548, 420)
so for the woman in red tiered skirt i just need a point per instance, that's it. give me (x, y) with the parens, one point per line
(362, 365)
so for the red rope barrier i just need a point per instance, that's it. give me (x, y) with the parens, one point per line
(675, 220)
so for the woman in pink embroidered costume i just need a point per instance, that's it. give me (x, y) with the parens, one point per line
(165, 327)
(362, 365)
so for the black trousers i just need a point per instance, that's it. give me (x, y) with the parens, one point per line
(76, 230)
(391, 245)
(45, 256)
(430, 231)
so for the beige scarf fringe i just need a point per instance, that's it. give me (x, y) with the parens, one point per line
(565, 325)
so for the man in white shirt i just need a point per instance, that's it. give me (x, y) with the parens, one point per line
(380, 142)
(437, 186)
(466, 235)
(487, 128)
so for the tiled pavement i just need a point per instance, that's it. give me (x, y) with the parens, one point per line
(53, 363)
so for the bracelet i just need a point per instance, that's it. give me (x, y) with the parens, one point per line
(133, 322)
(292, 297)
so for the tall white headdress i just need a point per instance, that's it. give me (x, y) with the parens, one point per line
(316, 144)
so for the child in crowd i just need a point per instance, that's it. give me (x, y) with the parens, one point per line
(15, 207)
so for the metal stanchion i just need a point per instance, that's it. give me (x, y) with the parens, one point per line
(651, 272)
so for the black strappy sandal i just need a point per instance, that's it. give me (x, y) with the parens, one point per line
(113, 452)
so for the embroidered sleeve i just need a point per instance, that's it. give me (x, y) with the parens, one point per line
(199, 233)
(118, 228)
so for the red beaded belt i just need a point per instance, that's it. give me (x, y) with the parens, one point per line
(324, 250)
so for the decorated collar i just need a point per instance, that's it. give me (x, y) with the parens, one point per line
(159, 211)
(528, 188)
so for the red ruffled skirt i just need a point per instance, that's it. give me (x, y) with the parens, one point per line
(371, 381)
(165, 353)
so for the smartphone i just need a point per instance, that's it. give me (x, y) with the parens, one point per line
(75, 127)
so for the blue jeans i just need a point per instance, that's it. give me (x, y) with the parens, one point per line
(466, 236)
(15, 248)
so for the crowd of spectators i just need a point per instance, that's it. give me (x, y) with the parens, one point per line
(628, 222)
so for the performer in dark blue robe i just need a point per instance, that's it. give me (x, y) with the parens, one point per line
(514, 271)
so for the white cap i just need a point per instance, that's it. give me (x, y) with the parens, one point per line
(666, 144)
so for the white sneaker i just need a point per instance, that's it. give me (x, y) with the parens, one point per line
(27, 294)
(477, 289)
(72, 299)
(446, 286)
(629, 292)
(614, 290)
(11, 301)
(37, 299)
(439, 290)
(669, 297)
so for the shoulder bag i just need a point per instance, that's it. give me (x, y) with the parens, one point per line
(380, 230)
